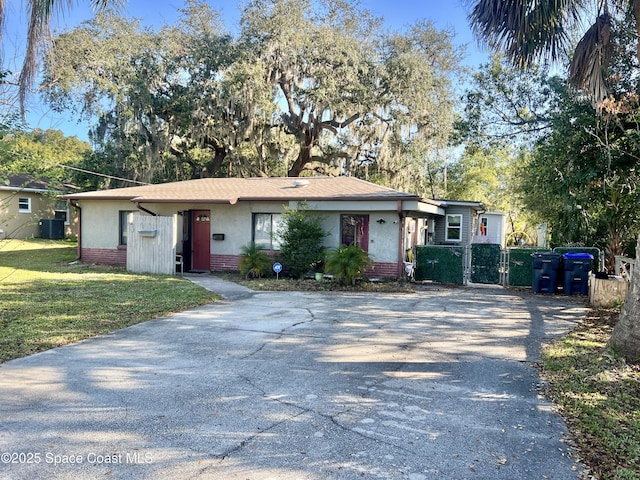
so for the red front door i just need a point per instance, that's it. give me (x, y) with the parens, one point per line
(355, 231)
(200, 240)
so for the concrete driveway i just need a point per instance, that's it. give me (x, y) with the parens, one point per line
(435, 385)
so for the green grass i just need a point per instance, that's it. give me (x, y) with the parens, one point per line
(598, 393)
(48, 300)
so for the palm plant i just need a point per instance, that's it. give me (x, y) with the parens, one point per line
(39, 15)
(347, 264)
(527, 31)
(254, 263)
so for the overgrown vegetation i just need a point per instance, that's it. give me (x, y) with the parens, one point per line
(47, 300)
(598, 393)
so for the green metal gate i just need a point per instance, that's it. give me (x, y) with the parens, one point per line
(485, 263)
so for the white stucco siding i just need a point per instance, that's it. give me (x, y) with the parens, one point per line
(234, 221)
(100, 222)
(383, 237)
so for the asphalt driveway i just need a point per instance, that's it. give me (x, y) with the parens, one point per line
(298, 386)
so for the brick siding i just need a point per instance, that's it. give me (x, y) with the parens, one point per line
(104, 255)
(383, 270)
(219, 263)
(224, 263)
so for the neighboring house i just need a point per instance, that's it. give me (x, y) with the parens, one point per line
(209, 220)
(25, 201)
(458, 225)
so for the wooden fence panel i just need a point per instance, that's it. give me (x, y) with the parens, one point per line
(151, 244)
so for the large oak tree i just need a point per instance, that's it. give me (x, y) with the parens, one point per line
(306, 87)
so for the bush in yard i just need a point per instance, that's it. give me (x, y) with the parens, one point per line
(347, 264)
(254, 263)
(301, 240)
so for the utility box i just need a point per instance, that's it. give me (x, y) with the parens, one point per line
(577, 267)
(52, 228)
(546, 266)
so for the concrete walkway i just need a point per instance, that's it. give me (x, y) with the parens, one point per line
(228, 290)
(291, 385)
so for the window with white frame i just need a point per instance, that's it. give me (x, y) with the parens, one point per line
(484, 222)
(24, 205)
(454, 228)
(264, 229)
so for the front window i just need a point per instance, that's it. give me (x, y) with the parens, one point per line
(124, 226)
(454, 228)
(24, 205)
(265, 227)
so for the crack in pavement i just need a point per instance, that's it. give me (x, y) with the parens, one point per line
(302, 410)
(280, 334)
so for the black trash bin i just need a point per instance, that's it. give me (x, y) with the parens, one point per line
(545, 271)
(576, 273)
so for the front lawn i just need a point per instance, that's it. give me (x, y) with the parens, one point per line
(48, 300)
(598, 393)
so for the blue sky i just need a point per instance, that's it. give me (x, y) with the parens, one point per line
(397, 14)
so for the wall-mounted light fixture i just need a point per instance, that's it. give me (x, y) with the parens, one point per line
(381, 221)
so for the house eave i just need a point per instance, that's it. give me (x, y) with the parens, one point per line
(30, 190)
(233, 201)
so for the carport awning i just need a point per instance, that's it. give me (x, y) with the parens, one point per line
(422, 208)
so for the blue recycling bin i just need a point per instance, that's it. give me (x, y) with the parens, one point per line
(546, 266)
(576, 273)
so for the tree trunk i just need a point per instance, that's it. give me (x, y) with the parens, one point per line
(304, 156)
(636, 15)
(626, 333)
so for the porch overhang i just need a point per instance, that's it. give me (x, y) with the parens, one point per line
(420, 208)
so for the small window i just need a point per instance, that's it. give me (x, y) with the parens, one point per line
(454, 228)
(24, 205)
(264, 229)
(483, 226)
(62, 211)
(123, 226)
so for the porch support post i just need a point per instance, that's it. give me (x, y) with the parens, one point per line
(400, 240)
